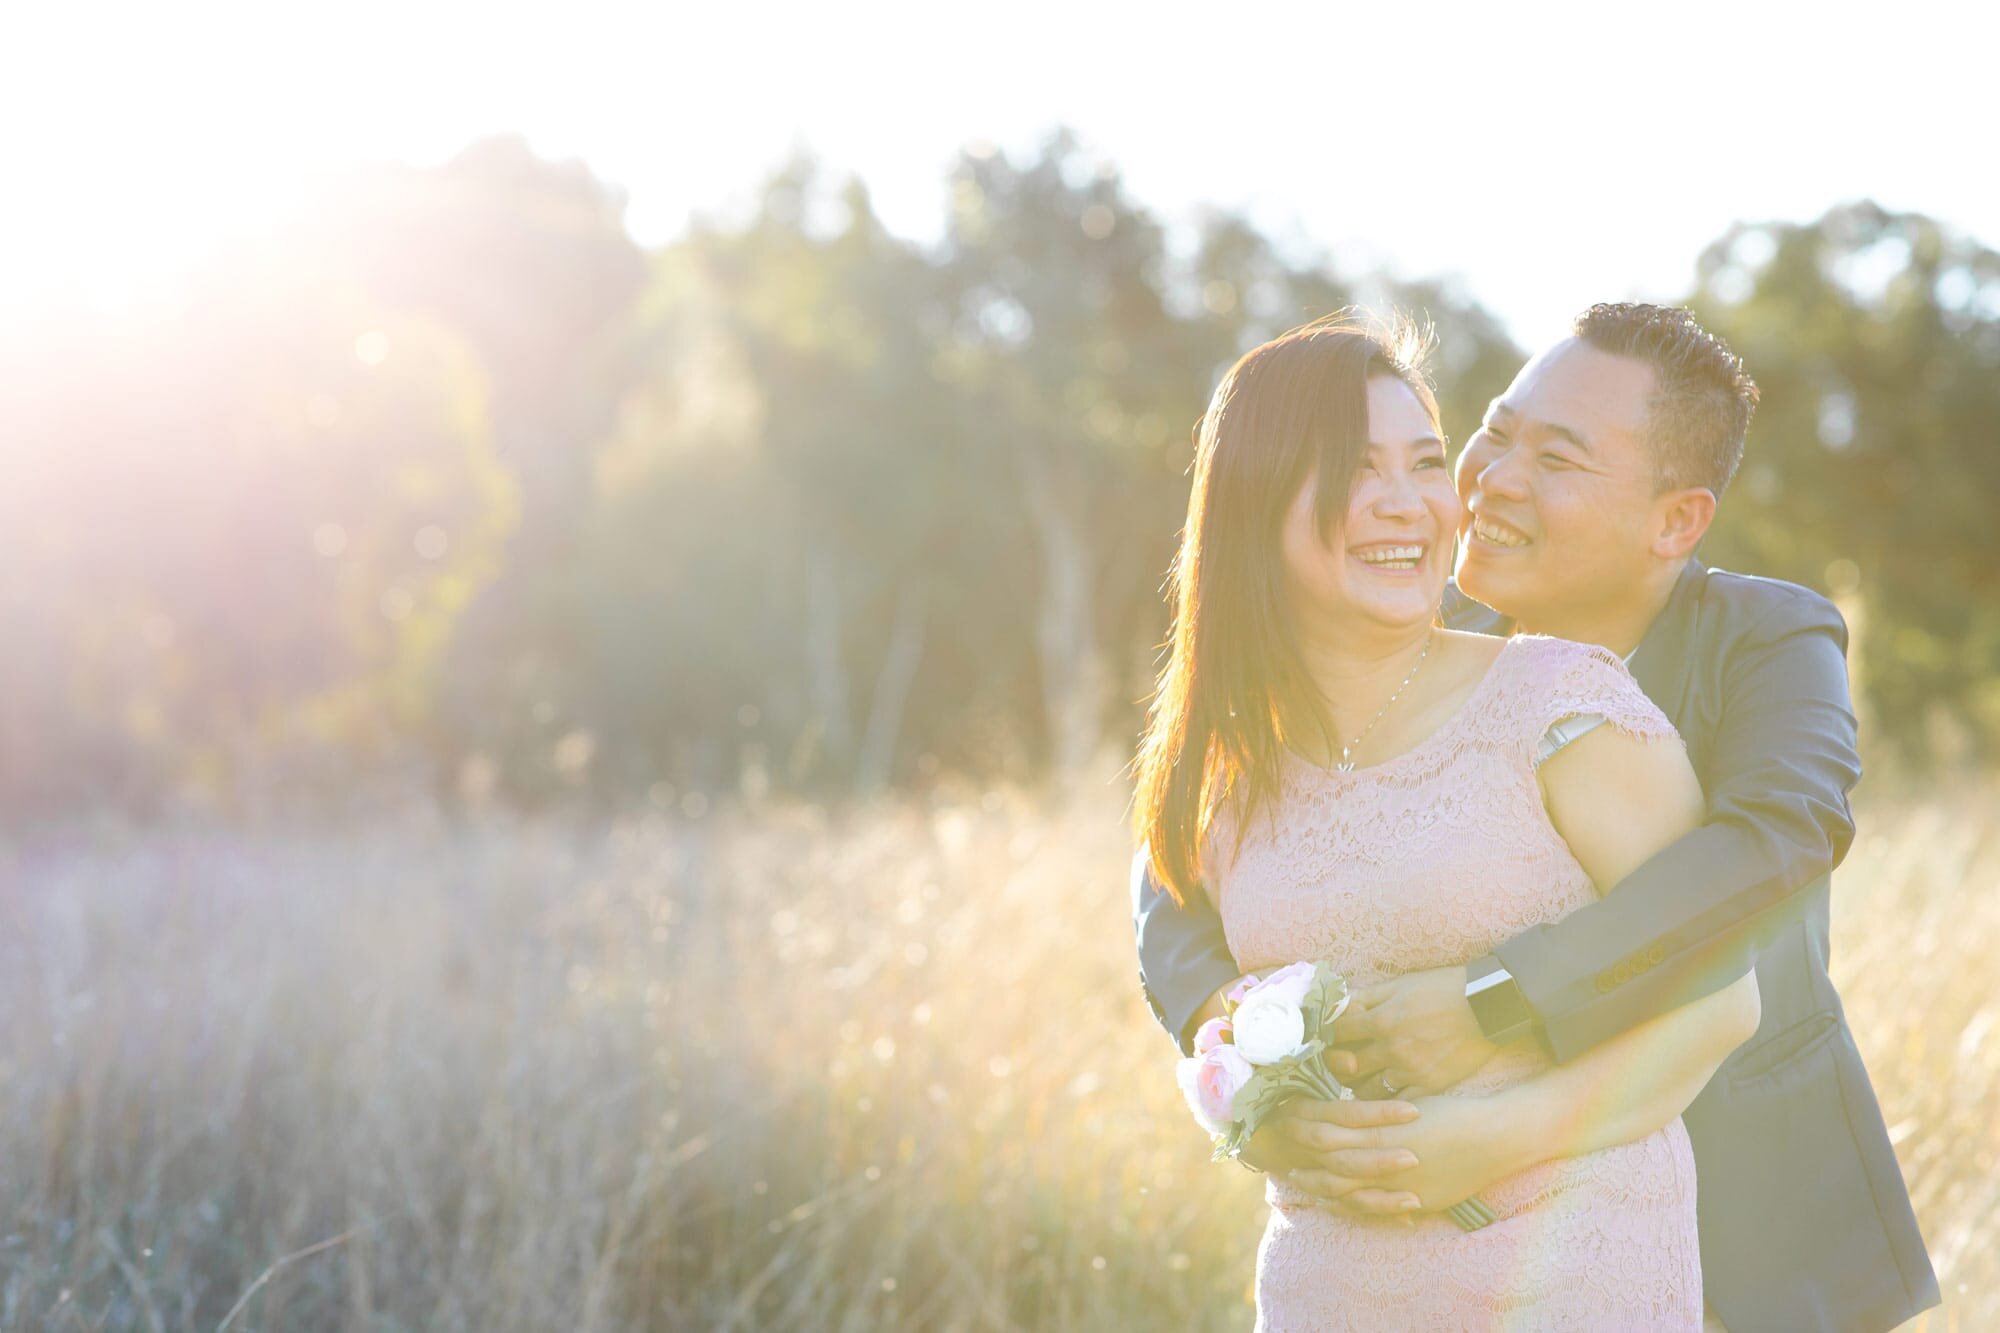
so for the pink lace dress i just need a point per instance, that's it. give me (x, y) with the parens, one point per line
(1427, 860)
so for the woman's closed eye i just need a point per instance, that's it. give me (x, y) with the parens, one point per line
(1367, 466)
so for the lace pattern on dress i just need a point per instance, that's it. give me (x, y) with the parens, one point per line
(1430, 859)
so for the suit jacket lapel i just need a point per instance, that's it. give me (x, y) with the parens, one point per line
(1462, 613)
(1660, 661)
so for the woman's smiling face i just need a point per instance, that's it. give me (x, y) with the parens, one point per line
(1387, 559)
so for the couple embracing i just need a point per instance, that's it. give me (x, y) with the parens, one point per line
(1565, 825)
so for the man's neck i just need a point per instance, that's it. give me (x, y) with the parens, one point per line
(1618, 625)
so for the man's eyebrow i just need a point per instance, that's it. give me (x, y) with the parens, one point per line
(1565, 433)
(1498, 410)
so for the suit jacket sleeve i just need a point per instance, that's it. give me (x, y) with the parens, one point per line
(1689, 921)
(1183, 956)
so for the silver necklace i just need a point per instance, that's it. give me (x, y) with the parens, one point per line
(1346, 764)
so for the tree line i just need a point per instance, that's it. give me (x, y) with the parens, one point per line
(452, 479)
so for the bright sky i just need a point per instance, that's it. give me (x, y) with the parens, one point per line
(1582, 152)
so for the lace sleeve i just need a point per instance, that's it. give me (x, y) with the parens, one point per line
(1576, 680)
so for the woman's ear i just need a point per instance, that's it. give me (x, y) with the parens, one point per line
(1683, 517)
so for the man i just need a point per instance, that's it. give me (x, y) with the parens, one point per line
(1588, 486)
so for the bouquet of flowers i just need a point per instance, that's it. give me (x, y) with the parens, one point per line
(1268, 1050)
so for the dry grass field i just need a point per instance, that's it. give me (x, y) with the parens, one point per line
(766, 1069)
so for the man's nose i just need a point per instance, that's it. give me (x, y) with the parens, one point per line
(1504, 476)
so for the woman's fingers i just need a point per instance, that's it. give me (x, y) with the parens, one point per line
(1325, 1186)
(1368, 1163)
(1322, 1139)
(1350, 1115)
(1378, 1202)
(1384, 1084)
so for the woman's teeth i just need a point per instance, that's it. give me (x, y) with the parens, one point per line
(1391, 557)
(1488, 531)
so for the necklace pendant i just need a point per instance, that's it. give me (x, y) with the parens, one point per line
(1345, 765)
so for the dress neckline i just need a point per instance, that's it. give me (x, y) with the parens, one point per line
(1439, 732)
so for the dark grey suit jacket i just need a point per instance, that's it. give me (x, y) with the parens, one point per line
(1805, 1221)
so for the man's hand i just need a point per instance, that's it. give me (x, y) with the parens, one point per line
(1334, 1152)
(1416, 1031)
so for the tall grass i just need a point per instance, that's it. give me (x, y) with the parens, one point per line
(765, 1069)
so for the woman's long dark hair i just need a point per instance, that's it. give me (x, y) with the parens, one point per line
(1235, 680)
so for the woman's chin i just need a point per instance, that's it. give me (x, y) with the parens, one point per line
(1411, 610)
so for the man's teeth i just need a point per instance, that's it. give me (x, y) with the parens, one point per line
(1391, 557)
(1499, 536)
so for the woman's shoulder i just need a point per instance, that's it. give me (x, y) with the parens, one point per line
(1542, 654)
(1543, 681)
(1476, 653)
(1557, 679)
(1527, 667)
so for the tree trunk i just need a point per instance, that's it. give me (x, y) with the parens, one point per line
(892, 690)
(1065, 629)
(826, 672)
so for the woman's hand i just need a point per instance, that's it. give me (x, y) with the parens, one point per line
(1461, 1145)
(1335, 1152)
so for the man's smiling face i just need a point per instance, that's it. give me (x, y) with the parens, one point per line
(1559, 486)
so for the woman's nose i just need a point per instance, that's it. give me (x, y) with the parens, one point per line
(1399, 497)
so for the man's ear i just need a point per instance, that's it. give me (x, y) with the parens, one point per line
(1683, 519)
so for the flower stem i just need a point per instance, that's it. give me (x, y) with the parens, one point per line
(1320, 1080)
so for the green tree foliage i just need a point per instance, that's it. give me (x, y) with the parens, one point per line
(453, 471)
(1078, 377)
(531, 263)
(1871, 471)
(890, 510)
(769, 552)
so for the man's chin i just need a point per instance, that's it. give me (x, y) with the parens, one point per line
(1477, 581)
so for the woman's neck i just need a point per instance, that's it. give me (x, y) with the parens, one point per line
(1356, 674)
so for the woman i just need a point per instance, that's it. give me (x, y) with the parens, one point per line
(1354, 784)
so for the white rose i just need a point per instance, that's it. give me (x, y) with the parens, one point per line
(1269, 1027)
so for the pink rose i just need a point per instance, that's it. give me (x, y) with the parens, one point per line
(1290, 983)
(1239, 990)
(1211, 1034)
(1210, 1083)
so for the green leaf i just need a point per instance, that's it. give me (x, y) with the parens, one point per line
(1323, 997)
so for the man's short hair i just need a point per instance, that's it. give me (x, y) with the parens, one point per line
(1702, 399)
